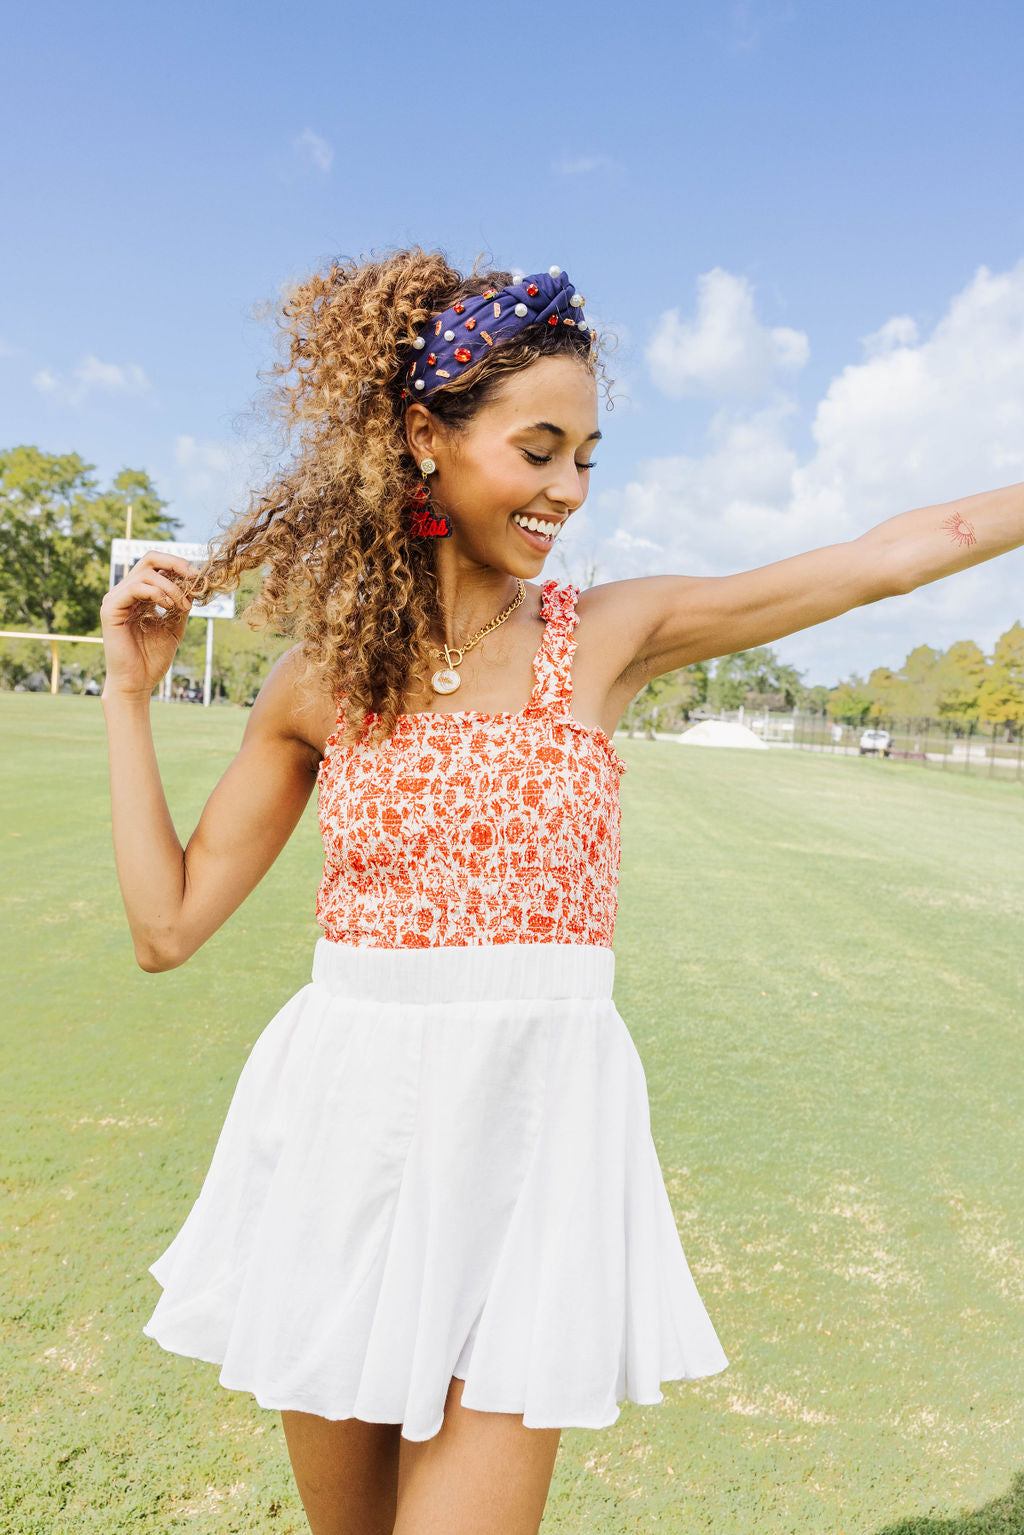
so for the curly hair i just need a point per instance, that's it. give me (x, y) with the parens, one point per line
(341, 571)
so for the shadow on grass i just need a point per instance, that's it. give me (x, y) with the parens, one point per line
(1003, 1516)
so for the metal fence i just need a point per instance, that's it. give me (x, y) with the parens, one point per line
(951, 746)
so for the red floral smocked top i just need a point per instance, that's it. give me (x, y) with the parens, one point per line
(476, 828)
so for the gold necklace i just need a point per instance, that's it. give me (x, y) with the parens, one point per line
(447, 679)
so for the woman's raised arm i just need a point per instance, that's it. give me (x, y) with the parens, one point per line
(670, 621)
(176, 897)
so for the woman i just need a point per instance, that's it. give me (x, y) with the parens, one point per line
(434, 1230)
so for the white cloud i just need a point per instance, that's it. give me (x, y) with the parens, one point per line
(205, 463)
(120, 379)
(710, 506)
(314, 151)
(90, 378)
(901, 330)
(211, 480)
(582, 164)
(746, 22)
(745, 32)
(920, 421)
(923, 421)
(724, 350)
(622, 539)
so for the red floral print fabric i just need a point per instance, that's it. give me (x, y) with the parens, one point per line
(477, 828)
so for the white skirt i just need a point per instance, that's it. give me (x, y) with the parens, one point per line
(439, 1162)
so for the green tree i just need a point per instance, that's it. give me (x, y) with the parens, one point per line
(918, 694)
(850, 701)
(754, 678)
(1001, 695)
(814, 700)
(666, 701)
(56, 526)
(958, 680)
(883, 692)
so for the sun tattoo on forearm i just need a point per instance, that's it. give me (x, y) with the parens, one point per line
(959, 529)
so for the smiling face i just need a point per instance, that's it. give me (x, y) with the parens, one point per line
(525, 455)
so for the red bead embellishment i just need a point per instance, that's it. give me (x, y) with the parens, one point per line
(459, 307)
(552, 319)
(437, 328)
(471, 325)
(431, 359)
(532, 289)
(491, 293)
(462, 354)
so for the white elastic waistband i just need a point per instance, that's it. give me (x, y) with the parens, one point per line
(465, 973)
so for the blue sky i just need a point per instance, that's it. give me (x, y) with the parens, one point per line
(803, 223)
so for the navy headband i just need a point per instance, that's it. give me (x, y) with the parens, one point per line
(464, 333)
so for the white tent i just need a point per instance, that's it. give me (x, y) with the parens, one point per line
(721, 733)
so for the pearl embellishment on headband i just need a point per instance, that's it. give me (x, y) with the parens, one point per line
(558, 295)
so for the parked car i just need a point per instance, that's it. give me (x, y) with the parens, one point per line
(878, 742)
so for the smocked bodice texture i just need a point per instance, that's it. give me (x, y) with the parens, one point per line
(476, 828)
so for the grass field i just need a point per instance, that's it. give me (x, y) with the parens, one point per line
(820, 960)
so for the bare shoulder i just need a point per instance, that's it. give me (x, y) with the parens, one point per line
(630, 602)
(296, 706)
(618, 618)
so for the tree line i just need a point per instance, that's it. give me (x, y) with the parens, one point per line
(960, 686)
(56, 526)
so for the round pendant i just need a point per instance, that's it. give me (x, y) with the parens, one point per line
(446, 681)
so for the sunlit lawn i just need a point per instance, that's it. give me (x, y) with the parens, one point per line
(820, 961)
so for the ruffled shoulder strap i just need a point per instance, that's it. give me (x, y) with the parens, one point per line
(554, 660)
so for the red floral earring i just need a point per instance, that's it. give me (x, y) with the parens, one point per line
(424, 521)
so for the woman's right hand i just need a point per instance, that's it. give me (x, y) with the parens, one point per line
(138, 655)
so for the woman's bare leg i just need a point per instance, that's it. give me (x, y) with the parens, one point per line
(483, 1473)
(346, 1472)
